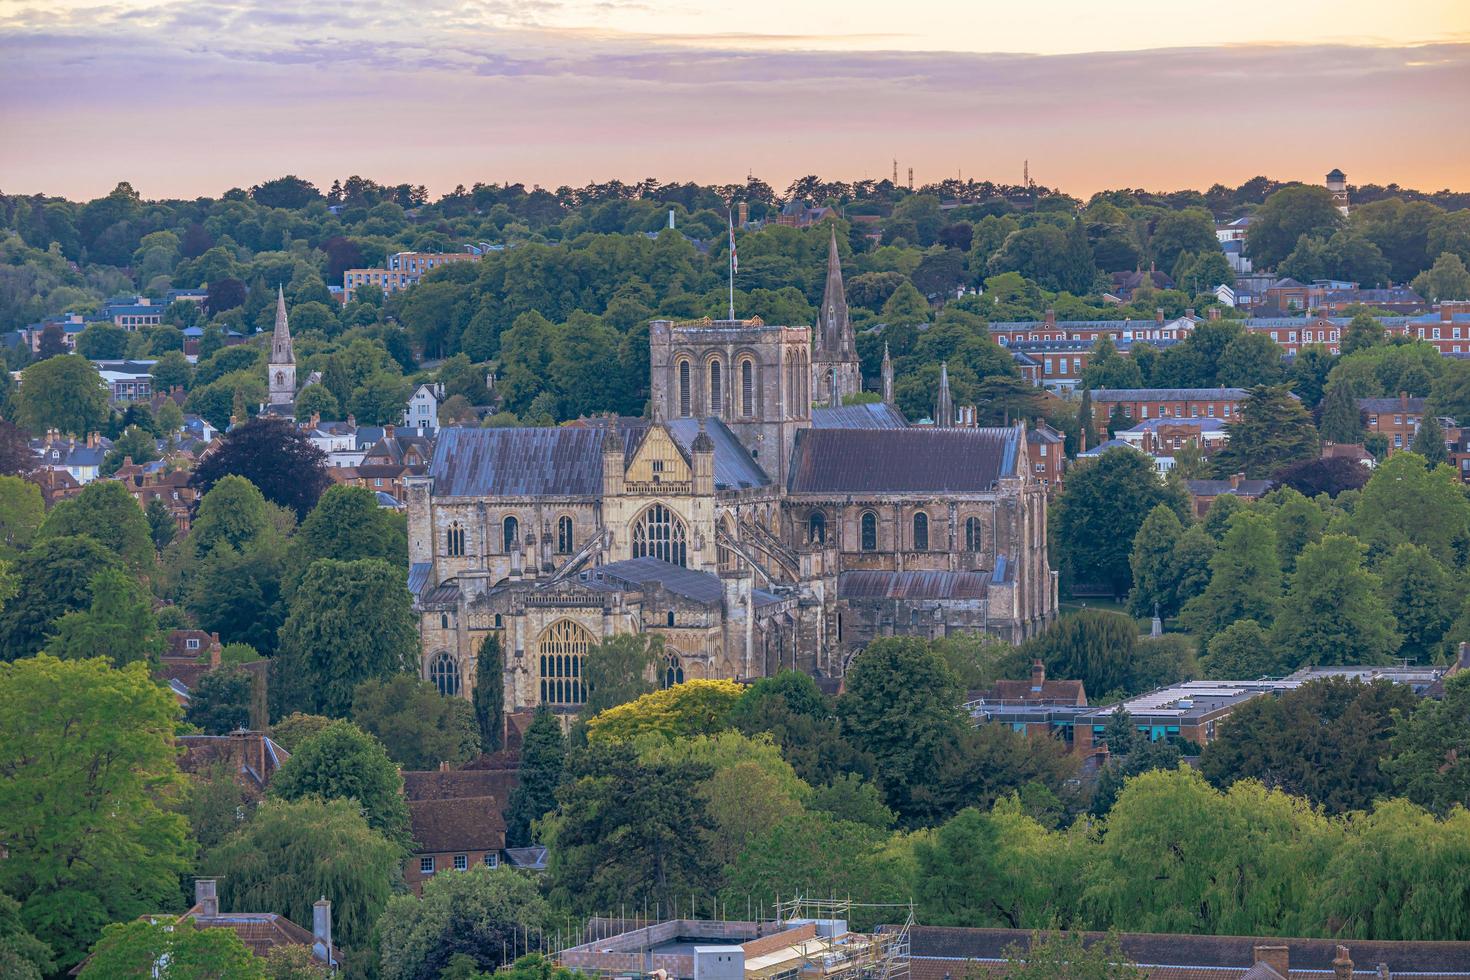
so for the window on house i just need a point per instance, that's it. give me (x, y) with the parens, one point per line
(191, 644)
(869, 531)
(921, 531)
(461, 862)
(510, 530)
(564, 535)
(426, 865)
(492, 860)
(456, 540)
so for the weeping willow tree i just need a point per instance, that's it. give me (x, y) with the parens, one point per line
(292, 853)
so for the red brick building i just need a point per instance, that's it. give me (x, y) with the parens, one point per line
(457, 820)
(1047, 448)
(1142, 404)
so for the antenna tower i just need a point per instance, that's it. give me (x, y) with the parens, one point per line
(1026, 174)
(911, 178)
(895, 171)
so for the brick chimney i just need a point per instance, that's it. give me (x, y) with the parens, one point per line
(1038, 675)
(388, 431)
(1051, 318)
(321, 930)
(1463, 661)
(1342, 964)
(215, 649)
(205, 897)
(1158, 314)
(352, 421)
(1214, 313)
(1277, 958)
(1235, 479)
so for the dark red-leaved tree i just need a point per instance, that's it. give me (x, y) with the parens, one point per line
(275, 456)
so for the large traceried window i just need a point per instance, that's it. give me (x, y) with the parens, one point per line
(974, 540)
(563, 650)
(673, 672)
(684, 395)
(716, 389)
(747, 387)
(455, 543)
(817, 528)
(444, 672)
(921, 531)
(564, 535)
(510, 530)
(659, 533)
(869, 529)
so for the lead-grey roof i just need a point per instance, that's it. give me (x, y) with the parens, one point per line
(418, 576)
(872, 584)
(561, 462)
(903, 460)
(734, 467)
(634, 573)
(876, 415)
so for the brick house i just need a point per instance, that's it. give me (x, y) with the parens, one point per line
(191, 654)
(1202, 493)
(1048, 454)
(1142, 404)
(150, 482)
(457, 820)
(1397, 419)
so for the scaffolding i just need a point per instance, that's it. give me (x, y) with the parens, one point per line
(880, 955)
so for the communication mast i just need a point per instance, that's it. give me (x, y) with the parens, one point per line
(911, 178)
(895, 171)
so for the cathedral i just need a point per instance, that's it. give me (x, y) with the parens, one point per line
(753, 522)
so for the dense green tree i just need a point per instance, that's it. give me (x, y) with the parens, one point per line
(419, 727)
(1245, 579)
(1287, 215)
(1152, 562)
(89, 766)
(620, 669)
(53, 578)
(1191, 564)
(1324, 741)
(1250, 359)
(220, 702)
(294, 729)
(347, 524)
(1421, 595)
(1101, 508)
(102, 341)
(232, 512)
(1217, 518)
(804, 724)
(1429, 441)
(542, 771)
(273, 455)
(22, 955)
(344, 762)
(1271, 431)
(21, 514)
(1299, 522)
(628, 832)
(348, 621)
(1323, 476)
(159, 949)
(64, 393)
(852, 798)
(1430, 758)
(479, 915)
(107, 513)
(1094, 647)
(489, 697)
(1241, 651)
(134, 444)
(901, 706)
(1334, 611)
(1406, 502)
(1130, 754)
(237, 594)
(161, 523)
(989, 762)
(119, 624)
(1447, 279)
(290, 851)
(16, 458)
(1342, 421)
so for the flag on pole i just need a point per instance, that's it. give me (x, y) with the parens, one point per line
(734, 259)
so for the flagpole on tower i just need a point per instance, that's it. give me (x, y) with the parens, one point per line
(730, 218)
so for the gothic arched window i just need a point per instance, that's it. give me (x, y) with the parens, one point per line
(684, 398)
(816, 526)
(444, 672)
(659, 533)
(673, 672)
(562, 649)
(715, 388)
(869, 524)
(921, 531)
(510, 529)
(747, 387)
(973, 538)
(456, 540)
(564, 535)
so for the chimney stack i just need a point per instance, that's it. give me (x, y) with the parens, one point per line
(1277, 958)
(321, 930)
(1214, 313)
(1342, 964)
(388, 431)
(1038, 675)
(1051, 318)
(206, 898)
(1158, 314)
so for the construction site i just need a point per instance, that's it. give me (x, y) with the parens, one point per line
(805, 940)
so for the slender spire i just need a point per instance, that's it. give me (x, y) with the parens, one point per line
(887, 376)
(944, 411)
(834, 330)
(281, 340)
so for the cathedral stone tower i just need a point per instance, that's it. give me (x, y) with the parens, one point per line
(835, 370)
(282, 364)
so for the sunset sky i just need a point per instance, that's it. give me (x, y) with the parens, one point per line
(190, 98)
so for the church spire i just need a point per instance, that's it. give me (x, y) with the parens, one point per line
(944, 411)
(281, 340)
(887, 371)
(834, 331)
